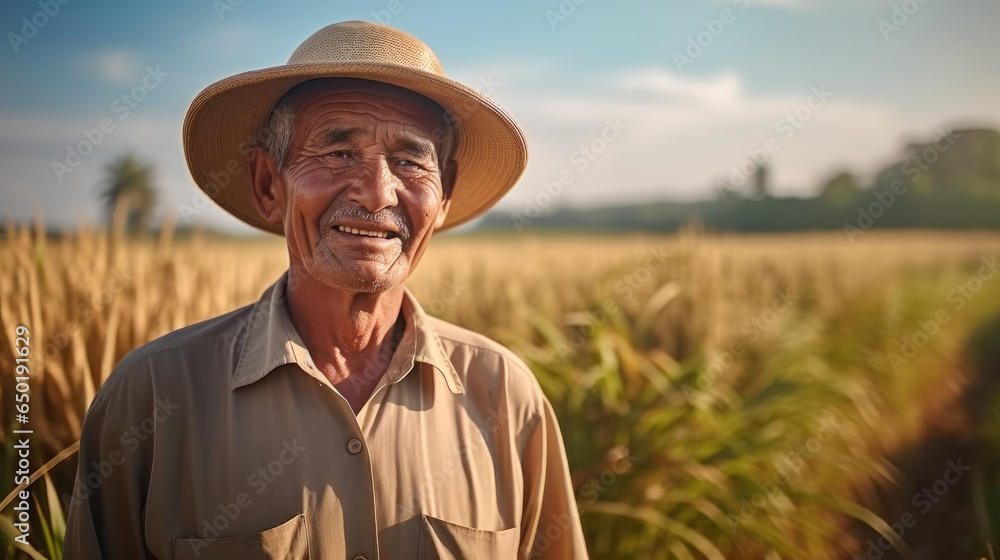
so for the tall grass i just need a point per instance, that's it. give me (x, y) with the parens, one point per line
(720, 397)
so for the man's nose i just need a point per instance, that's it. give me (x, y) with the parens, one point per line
(377, 190)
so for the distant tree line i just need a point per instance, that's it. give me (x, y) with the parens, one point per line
(950, 182)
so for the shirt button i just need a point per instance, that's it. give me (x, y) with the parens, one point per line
(355, 446)
(360, 558)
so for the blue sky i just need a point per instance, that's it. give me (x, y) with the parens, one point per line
(686, 123)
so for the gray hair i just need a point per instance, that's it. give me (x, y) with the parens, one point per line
(276, 137)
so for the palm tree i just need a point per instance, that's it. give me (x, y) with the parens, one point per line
(129, 188)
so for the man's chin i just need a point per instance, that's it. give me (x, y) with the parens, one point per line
(354, 272)
(360, 280)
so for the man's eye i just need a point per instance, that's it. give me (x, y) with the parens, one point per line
(341, 154)
(409, 163)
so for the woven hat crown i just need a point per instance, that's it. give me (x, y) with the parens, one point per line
(361, 42)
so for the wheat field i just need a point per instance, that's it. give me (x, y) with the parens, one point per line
(720, 396)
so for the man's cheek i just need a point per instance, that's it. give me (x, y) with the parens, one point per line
(301, 230)
(428, 199)
(311, 200)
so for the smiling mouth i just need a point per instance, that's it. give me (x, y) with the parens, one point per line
(366, 233)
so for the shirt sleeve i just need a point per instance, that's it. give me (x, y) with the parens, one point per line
(551, 523)
(116, 441)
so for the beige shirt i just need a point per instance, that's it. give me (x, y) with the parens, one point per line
(223, 440)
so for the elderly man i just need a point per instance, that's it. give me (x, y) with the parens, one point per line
(333, 418)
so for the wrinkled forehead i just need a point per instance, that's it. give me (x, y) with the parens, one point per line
(347, 97)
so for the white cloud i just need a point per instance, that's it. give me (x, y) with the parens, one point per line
(725, 89)
(117, 67)
(684, 134)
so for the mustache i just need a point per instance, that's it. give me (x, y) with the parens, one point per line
(379, 220)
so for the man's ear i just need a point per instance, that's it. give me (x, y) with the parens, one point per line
(267, 197)
(448, 175)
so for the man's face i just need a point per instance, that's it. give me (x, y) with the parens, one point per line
(363, 158)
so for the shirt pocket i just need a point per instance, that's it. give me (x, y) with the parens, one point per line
(286, 541)
(442, 540)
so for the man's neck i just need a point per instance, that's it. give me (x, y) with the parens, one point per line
(350, 336)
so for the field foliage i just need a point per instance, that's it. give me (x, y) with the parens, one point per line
(720, 397)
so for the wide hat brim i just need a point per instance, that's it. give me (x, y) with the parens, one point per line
(230, 116)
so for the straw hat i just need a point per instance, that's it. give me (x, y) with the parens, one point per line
(230, 115)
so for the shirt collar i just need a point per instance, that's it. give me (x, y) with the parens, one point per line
(270, 340)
